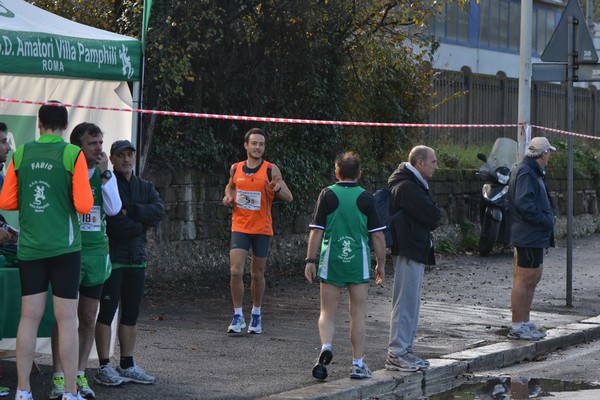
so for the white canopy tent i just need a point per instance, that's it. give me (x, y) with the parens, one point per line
(46, 57)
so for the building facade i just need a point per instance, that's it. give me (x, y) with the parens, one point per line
(486, 36)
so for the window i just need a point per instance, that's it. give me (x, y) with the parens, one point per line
(544, 21)
(439, 27)
(514, 28)
(503, 24)
(484, 23)
(495, 25)
(463, 25)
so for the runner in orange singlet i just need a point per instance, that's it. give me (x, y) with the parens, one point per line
(253, 184)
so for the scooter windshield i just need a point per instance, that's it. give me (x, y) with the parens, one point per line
(503, 154)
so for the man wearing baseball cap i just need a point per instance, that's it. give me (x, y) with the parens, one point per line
(532, 225)
(539, 145)
(120, 145)
(142, 208)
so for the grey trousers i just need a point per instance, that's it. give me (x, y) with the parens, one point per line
(406, 304)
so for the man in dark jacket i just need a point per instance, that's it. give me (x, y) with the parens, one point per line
(532, 224)
(126, 231)
(412, 249)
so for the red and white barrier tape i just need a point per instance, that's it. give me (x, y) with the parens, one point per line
(291, 120)
(565, 132)
(264, 119)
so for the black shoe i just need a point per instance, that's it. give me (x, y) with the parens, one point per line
(319, 371)
(326, 356)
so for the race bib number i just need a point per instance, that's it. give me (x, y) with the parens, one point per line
(91, 222)
(248, 200)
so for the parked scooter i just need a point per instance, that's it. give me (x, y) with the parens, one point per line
(493, 205)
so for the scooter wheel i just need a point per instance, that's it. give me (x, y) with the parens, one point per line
(489, 234)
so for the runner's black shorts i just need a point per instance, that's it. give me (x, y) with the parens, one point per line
(62, 271)
(259, 243)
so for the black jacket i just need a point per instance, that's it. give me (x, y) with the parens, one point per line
(127, 233)
(418, 216)
(532, 216)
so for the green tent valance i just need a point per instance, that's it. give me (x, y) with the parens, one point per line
(36, 42)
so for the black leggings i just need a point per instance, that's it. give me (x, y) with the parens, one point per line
(125, 285)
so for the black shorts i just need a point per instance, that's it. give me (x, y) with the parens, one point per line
(259, 243)
(62, 271)
(92, 292)
(530, 257)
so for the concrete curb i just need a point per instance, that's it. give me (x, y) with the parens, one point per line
(446, 372)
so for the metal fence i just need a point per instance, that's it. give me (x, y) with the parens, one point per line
(463, 97)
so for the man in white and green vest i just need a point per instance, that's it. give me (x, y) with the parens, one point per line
(95, 261)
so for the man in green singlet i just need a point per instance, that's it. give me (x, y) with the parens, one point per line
(344, 218)
(47, 181)
(95, 261)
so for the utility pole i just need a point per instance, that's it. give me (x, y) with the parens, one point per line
(524, 105)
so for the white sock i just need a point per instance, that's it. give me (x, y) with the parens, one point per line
(255, 310)
(326, 346)
(358, 361)
(80, 373)
(54, 375)
(517, 325)
(238, 311)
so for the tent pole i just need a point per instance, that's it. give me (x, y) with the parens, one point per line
(136, 125)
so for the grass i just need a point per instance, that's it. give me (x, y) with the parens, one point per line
(586, 159)
(454, 156)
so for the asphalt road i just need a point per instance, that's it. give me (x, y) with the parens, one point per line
(466, 303)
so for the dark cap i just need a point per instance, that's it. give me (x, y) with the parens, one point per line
(120, 145)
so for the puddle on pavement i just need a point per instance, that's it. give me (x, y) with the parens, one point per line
(506, 388)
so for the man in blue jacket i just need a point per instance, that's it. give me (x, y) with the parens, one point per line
(417, 216)
(532, 225)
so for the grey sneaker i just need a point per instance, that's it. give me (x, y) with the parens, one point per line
(525, 333)
(237, 324)
(535, 328)
(399, 363)
(84, 388)
(58, 388)
(360, 372)
(135, 374)
(255, 324)
(108, 376)
(416, 361)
